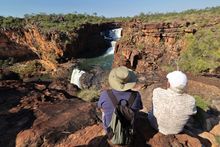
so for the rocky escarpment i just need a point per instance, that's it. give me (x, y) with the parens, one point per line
(9, 48)
(48, 114)
(145, 47)
(53, 46)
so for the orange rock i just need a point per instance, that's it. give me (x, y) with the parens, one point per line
(210, 137)
(216, 130)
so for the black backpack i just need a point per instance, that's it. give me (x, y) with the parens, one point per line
(120, 130)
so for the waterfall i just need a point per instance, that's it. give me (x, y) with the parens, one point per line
(75, 77)
(104, 61)
(113, 35)
(111, 50)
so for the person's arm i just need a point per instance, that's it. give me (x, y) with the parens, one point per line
(193, 109)
(100, 107)
(101, 101)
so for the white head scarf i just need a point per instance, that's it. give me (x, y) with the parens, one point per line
(177, 80)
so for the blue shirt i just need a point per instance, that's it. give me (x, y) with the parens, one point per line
(106, 104)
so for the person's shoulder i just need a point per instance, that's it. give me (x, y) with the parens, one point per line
(190, 98)
(134, 91)
(103, 93)
(159, 90)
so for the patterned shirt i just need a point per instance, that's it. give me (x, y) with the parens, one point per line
(171, 110)
(106, 104)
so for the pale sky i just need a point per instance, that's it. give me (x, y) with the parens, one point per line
(110, 8)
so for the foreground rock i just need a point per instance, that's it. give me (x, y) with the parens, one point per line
(55, 122)
(145, 136)
(48, 114)
(34, 114)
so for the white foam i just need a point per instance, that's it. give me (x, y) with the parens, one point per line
(115, 34)
(75, 77)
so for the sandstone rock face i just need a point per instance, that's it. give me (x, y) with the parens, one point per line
(210, 137)
(216, 130)
(56, 121)
(10, 48)
(40, 114)
(144, 47)
(146, 136)
(206, 87)
(44, 114)
(180, 140)
(54, 46)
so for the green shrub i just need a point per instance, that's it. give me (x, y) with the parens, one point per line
(198, 16)
(89, 95)
(202, 52)
(29, 67)
(201, 103)
(217, 138)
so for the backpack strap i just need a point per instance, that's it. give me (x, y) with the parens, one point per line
(132, 98)
(112, 97)
(115, 101)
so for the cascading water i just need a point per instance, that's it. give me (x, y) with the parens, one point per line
(113, 36)
(104, 61)
(110, 51)
(75, 77)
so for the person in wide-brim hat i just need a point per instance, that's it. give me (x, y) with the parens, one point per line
(122, 81)
(122, 78)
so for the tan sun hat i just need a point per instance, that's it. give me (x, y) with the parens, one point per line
(122, 78)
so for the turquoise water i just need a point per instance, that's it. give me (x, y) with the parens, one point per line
(105, 62)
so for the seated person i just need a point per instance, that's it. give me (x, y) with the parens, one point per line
(121, 80)
(172, 107)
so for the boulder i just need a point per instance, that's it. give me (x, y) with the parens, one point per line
(210, 137)
(180, 140)
(8, 75)
(216, 130)
(65, 87)
(54, 122)
(145, 135)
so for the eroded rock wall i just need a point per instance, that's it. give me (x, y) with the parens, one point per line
(54, 46)
(9, 48)
(145, 47)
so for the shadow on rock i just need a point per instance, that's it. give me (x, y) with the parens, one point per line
(12, 123)
(12, 120)
(143, 130)
(100, 141)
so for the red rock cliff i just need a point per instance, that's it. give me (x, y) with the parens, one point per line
(145, 47)
(54, 46)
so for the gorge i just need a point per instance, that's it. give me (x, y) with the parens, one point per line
(35, 111)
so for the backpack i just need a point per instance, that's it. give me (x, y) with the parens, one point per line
(120, 129)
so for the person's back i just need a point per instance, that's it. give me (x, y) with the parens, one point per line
(107, 106)
(112, 102)
(171, 107)
(171, 110)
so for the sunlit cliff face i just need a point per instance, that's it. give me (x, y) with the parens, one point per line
(144, 47)
(53, 46)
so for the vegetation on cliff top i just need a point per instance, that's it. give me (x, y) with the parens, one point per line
(56, 22)
(202, 52)
(201, 16)
(71, 21)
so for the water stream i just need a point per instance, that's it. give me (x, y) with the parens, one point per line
(104, 61)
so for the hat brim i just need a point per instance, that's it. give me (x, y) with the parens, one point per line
(117, 85)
